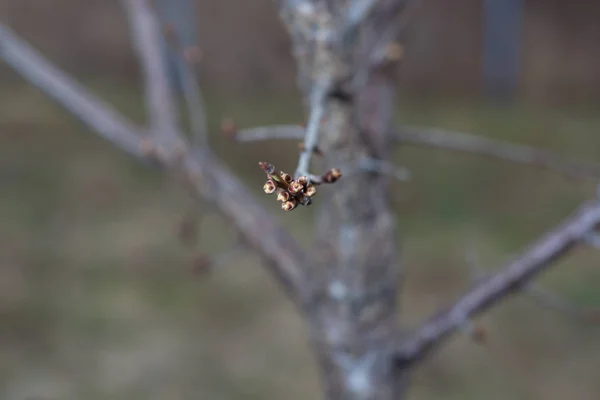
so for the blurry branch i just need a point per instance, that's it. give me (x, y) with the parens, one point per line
(554, 302)
(358, 12)
(205, 173)
(387, 48)
(82, 103)
(296, 132)
(469, 143)
(511, 278)
(279, 132)
(146, 39)
(403, 11)
(191, 89)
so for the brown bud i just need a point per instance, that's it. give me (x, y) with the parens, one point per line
(268, 168)
(192, 54)
(332, 175)
(394, 51)
(303, 180)
(228, 127)
(286, 177)
(269, 187)
(296, 187)
(283, 196)
(201, 264)
(289, 205)
(310, 191)
(478, 334)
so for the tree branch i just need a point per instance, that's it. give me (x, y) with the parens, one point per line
(205, 173)
(513, 277)
(469, 143)
(282, 132)
(311, 138)
(194, 99)
(146, 37)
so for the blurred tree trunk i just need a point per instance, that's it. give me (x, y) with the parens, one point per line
(356, 323)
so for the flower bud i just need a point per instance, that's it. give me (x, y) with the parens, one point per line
(303, 180)
(289, 205)
(269, 187)
(283, 196)
(286, 177)
(296, 187)
(332, 175)
(310, 191)
(268, 168)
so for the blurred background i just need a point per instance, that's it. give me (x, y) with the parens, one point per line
(100, 299)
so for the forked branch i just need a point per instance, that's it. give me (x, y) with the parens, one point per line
(513, 277)
(146, 41)
(204, 172)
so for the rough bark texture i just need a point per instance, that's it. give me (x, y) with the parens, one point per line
(355, 323)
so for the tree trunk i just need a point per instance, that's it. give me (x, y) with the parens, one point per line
(355, 323)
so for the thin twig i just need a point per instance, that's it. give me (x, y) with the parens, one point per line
(554, 302)
(535, 259)
(285, 259)
(278, 132)
(195, 104)
(311, 138)
(146, 37)
(192, 92)
(465, 142)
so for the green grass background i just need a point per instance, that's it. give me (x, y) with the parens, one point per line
(98, 298)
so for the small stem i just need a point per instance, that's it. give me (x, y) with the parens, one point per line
(280, 132)
(311, 138)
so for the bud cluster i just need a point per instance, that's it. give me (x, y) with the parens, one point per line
(290, 192)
